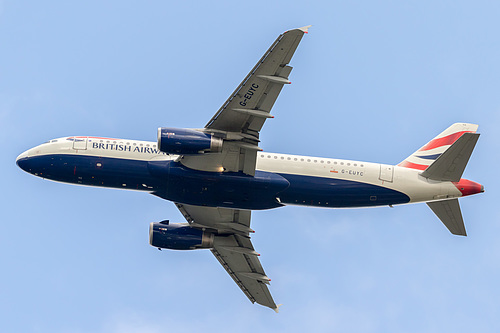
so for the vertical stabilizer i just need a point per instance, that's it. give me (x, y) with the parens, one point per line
(449, 213)
(429, 153)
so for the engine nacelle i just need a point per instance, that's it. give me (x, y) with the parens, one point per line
(187, 141)
(179, 236)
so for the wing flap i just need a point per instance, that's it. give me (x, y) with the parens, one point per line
(236, 156)
(224, 220)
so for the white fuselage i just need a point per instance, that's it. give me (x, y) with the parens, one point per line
(400, 179)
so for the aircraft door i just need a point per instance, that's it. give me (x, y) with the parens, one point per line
(80, 143)
(386, 172)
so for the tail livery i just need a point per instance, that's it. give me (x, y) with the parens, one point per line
(425, 156)
(444, 158)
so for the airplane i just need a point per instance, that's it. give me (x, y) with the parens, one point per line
(218, 174)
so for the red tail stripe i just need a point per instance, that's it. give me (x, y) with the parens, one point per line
(410, 165)
(468, 187)
(444, 141)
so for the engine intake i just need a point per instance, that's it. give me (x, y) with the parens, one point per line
(187, 141)
(179, 236)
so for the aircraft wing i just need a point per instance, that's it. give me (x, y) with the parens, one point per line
(233, 248)
(249, 105)
(241, 117)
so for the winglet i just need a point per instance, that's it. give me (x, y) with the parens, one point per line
(305, 29)
(277, 308)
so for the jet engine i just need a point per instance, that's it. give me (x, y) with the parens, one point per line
(179, 236)
(187, 141)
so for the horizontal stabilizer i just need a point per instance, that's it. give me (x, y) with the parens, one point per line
(449, 213)
(451, 164)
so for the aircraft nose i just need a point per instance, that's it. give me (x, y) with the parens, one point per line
(22, 161)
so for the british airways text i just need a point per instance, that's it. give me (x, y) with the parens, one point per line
(122, 147)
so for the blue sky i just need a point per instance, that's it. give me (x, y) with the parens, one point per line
(373, 80)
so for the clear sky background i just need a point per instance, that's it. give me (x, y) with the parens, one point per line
(373, 81)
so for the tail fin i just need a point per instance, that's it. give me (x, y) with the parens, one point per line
(425, 156)
(444, 159)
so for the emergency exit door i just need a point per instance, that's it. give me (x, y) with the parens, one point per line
(386, 172)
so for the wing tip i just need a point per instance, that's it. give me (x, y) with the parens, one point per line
(303, 29)
(277, 308)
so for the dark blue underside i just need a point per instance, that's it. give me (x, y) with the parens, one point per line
(172, 181)
(329, 192)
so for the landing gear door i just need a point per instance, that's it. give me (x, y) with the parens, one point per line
(80, 143)
(386, 172)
